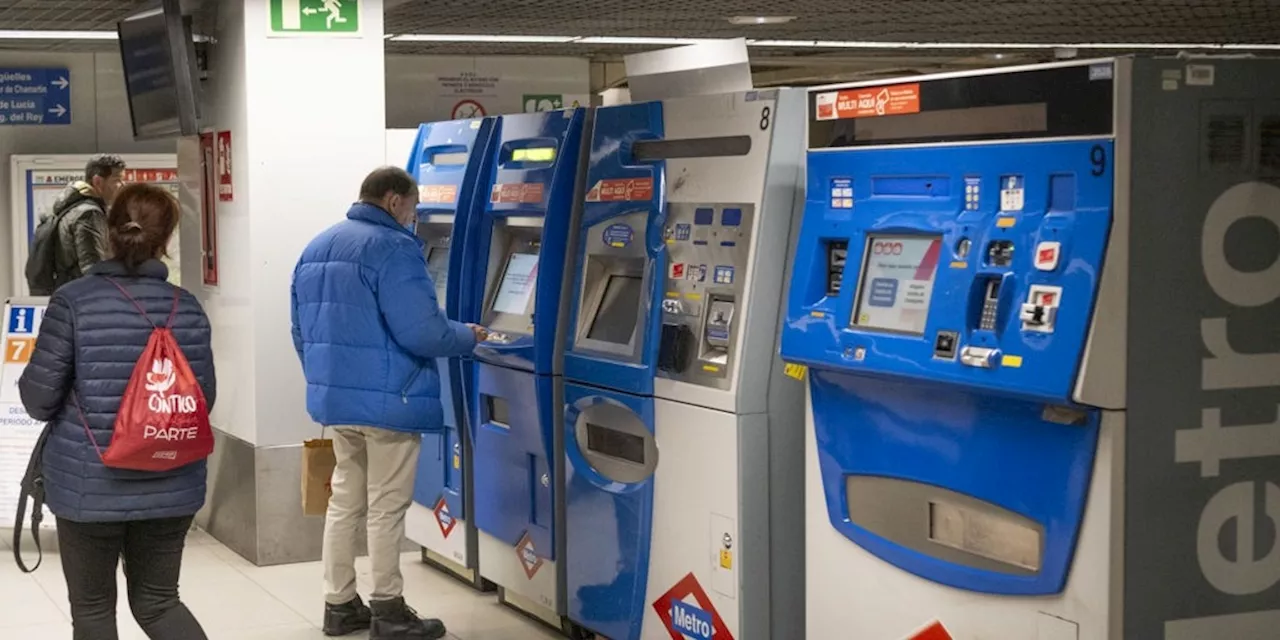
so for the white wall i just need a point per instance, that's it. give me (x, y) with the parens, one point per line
(424, 88)
(99, 123)
(230, 304)
(317, 127)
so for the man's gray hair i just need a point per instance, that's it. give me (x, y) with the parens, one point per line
(387, 179)
(103, 165)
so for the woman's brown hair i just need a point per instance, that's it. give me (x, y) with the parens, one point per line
(140, 222)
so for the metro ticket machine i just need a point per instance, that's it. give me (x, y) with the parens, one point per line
(1038, 306)
(518, 242)
(448, 161)
(682, 433)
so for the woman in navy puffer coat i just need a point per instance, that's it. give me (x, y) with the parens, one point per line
(90, 339)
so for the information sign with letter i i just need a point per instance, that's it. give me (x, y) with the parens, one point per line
(18, 431)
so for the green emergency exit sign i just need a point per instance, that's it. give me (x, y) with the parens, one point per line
(314, 17)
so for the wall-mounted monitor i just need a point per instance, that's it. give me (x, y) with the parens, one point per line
(158, 55)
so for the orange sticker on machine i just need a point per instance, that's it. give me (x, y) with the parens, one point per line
(438, 193)
(869, 102)
(516, 193)
(621, 190)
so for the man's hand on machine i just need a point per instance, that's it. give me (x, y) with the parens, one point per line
(482, 334)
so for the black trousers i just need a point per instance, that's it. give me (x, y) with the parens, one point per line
(152, 553)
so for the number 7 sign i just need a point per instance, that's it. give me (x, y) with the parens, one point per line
(18, 350)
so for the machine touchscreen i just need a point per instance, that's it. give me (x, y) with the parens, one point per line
(616, 316)
(438, 269)
(896, 288)
(518, 283)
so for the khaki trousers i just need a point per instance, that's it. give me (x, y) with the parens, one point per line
(373, 483)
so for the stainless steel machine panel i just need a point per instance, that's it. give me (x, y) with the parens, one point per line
(708, 246)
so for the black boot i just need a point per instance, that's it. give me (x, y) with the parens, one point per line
(394, 620)
(345, 619)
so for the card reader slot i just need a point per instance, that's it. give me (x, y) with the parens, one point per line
(717, 329)
(837, 258)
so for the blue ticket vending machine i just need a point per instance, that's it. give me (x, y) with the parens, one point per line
(1006, 291)
(517, 244)
(683, 450)
(448, 160)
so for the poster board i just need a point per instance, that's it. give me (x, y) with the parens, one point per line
(18, 431)
(37, 180)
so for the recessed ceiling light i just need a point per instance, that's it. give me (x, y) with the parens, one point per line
(761, 19)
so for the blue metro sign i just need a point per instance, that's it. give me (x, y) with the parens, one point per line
(35, 96)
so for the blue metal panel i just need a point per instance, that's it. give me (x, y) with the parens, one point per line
(556, 181)
(885, 406)
(994, 449)
(511, 498)
(464, 143)
(817, 331)
(616, 606)
(616, 129)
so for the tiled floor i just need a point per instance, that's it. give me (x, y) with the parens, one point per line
(234, 600)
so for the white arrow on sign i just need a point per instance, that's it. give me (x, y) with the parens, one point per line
(61, 83)
(58, 110)
(311, 11)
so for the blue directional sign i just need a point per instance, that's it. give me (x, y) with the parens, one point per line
(35, 96)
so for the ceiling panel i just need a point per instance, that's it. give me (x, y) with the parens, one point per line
(65, 15)
(1032, 21)
(955, 21)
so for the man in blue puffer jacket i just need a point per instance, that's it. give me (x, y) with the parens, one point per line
(368, 329)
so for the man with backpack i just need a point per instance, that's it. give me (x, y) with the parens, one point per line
(72, 238)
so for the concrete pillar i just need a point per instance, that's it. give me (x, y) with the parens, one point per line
(307, 118)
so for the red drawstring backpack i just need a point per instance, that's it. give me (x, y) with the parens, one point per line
(163, 421)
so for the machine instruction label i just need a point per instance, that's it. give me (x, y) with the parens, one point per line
(686, 612)
(516, 193)
(621, 190)
(438, 193)
(869, 102)
(618, 235)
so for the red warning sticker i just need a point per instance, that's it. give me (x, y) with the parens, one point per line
(438, 193)
(150, 175)
(686, 612)
(528, 556)
(621, 190)
(868, 102)
(516, 193)
(443, 518)
(933, 631)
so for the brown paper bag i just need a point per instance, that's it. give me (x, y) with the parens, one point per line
(318, 462)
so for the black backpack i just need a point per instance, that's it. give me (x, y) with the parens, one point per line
(42, 262)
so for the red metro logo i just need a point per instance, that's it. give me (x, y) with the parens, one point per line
(886, 248)
(684, 619)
